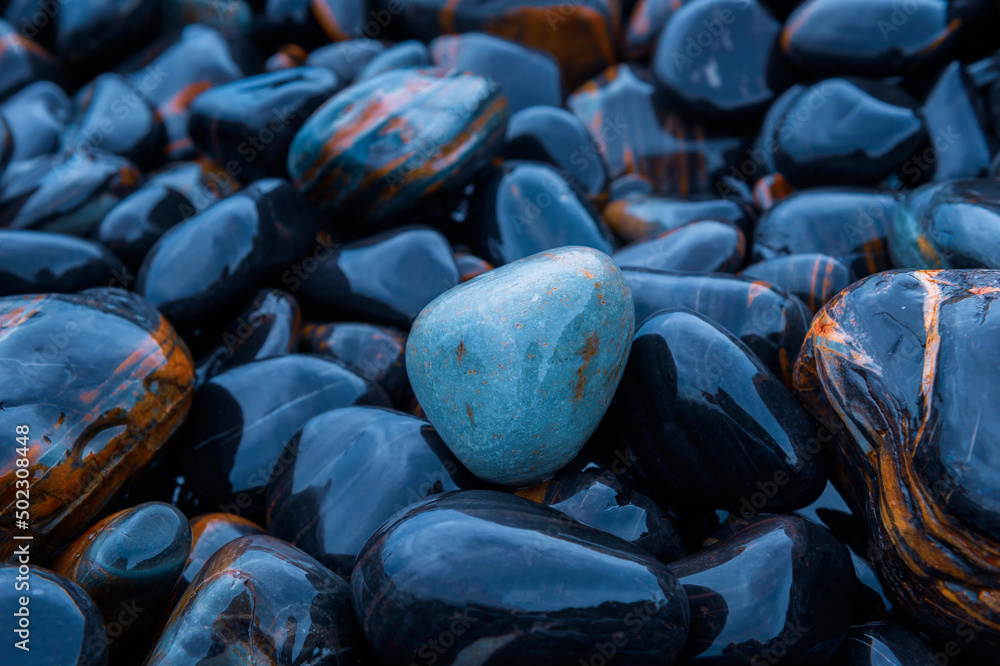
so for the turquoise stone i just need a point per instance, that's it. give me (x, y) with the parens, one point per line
(516, 367)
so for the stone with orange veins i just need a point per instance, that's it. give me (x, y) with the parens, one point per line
(100, 380)
(516, 368)
(378, 148)
(902, 368)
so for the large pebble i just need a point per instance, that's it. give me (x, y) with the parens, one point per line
(516, 367)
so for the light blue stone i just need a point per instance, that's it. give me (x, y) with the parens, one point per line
(516, 367)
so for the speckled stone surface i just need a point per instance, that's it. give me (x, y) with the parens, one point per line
(516, 368)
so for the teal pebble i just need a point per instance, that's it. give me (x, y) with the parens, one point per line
(516, 368)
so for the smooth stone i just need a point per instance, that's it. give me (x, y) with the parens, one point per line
(909, 358)
(635, 133)
(311, 23)
(133, 226)
(346, 59)
(770, 322)
(23, 61)
(384, 279)
(706, 246)
(388, 152)
(260, 600)
(527, 77)
(516, 368)
(209, 533)
(955, 224)
(248, 125)
(708, 422)
(555, 136)
(269, 326)
(106, 119)
(91, 37)
(470, 266)
(377, 353)
(813, 278)
(876, 37)
(36, 117)
(235, 433)
(526, 208)
(733, 78)
(201, 270)
(349, 471)
(851, 226)
(231, 17)
(201, 181)
(35, 262)
(637, 217)
(66, 193)
(409, 54)
(771, 189)
(956, 126)
(779, 589)
(582, 37)
(527, 585)
(179, 70)
(887, 644)
(102, 381)
(594, 496)
(60, 608)
(814, 146)
(133, 556)
(645, 25)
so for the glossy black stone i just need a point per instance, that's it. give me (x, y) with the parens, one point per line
(61, 606)
(105, 119)
(178, 70)
(679, 155)
(136, 556)
(93, 36)
(595, 496)
(346, 59)
(384, 279)
(527, 77)
(878, 37)
(348, 471)
(377, 353)
(36, 117)
(954, 224)
(767, 320)
(310, 23)
(209, 533)
(813, 278)
(781, 589)
(527, 585)
(526, 208)
(35, 262)
(554, 135)
(23, 61)
(707, 246)
(247, 125)
(814, 146)
(235, 433)
(707, 421)
(132, 227)
(261, 601)
(65, 193)
(886, 644)
(720, 58)
(850, 225)
(269, 326)
(959, 145)
(640, 216)
(202, 269)
(411, 53)
(201, 181)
